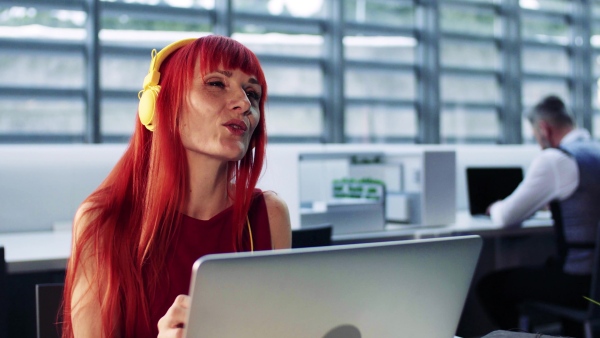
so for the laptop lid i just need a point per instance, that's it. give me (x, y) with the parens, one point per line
(488, 185)
(414, 288)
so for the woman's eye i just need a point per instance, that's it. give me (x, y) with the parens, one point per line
(219, 84)
(253, 95)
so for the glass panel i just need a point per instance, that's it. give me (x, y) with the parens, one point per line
(283, 80)
(294, 120)
(123, 73)
(282, 44)
(41, 69)
(380, 48)
(596, 125)
(147, 39)
(467, 20)
(32, 18)
(562, 6)
(125, 22)
(526, 129)
(41, 32)
(553, 30)
(457, 88)
(471, 55)
(372, 121)
(392, 13)
(595, 94)
(118, 116)
(536, 90)
(207, 4)
(460, 124)
(295, 8)
(42, 116)
(385, 84)
(595, 38)
(550, 61)
(596, 9)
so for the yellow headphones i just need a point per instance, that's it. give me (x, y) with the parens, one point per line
(149, 94)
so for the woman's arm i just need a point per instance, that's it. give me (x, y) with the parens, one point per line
(85, 300)
(279, 221)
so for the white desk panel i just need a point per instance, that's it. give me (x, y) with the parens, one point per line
(39, 251)
(465, 224)
(36, 251)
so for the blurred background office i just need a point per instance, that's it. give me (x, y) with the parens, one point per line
(339, 71)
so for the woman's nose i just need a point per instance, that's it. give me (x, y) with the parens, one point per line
(240, 101)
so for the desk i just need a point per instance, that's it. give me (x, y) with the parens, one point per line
(49, 250)
(465, 224)
(36, 251)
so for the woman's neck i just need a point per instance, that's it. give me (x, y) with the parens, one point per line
(207, 188)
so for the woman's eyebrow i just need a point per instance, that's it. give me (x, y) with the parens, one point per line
(225, 72)
(230, 74)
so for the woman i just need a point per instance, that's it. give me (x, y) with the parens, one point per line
(185, 187)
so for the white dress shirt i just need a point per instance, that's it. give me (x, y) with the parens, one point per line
(552, 175)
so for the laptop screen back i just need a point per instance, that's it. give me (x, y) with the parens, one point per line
(488, 185)
(390, 289)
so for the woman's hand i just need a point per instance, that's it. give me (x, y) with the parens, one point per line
(172, 323)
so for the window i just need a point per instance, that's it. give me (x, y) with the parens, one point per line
(471, 61)
(546, 55)
(380, 82)
(452, 71)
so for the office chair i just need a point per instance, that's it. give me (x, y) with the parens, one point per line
(312, 236)
(48, 305)
(589, 317)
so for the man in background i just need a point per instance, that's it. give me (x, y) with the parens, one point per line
(565, 174)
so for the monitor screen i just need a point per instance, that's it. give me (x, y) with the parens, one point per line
(488, 185)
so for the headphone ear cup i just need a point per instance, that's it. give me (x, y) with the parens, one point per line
(147, 106)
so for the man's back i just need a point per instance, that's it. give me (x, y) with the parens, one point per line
(580, 212)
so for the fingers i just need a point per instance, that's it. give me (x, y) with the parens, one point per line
(172, 323)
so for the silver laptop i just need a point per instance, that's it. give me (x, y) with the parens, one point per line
(413, 288)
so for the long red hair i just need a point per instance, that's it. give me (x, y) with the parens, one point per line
(135, 211)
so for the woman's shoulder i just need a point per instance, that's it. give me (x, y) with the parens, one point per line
(279, 220)
(273, 200)
(86, 213)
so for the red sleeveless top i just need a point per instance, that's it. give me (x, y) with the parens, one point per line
(196, 238)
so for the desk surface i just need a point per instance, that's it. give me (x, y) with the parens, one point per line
(49, 250)
(464, 224)
(36, 251)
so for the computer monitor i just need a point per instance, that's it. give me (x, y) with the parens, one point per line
(488, 185)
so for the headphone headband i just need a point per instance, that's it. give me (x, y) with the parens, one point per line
(149, 93)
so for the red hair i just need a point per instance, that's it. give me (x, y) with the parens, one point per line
(134, 213)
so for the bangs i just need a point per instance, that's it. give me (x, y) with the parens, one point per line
(227, 53)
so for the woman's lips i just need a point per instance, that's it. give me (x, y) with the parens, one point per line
(236, 127)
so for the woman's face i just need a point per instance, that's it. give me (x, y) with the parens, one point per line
(221, 113)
